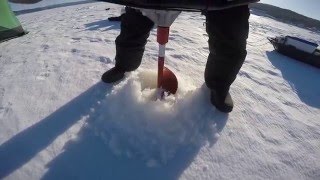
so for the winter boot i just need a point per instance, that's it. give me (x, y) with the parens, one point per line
(222, 101)
(115, 18)
(112, 75)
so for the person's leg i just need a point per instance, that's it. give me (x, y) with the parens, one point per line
(228, 31)
(130, 44)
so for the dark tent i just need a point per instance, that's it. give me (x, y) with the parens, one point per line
(10, 26)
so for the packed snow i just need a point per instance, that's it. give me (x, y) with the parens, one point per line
(59, 121)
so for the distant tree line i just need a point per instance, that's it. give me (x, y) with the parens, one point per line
(287, 16)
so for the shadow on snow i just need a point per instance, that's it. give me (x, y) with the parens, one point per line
(21, 148)
(102, 25)
(303, 78)
(88, 157)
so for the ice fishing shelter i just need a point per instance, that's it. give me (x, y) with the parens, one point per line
(297, 48)
(191, 5)
(10, 26)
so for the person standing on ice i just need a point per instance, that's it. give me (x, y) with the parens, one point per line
(227, 30)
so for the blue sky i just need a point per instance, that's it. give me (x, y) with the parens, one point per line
(310, 8)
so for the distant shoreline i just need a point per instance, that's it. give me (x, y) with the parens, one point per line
(280, 14)
(286, 16)
(31, 10)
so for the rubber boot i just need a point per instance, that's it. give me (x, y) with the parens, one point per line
(222, 101)
(115, 18)
(113, 75)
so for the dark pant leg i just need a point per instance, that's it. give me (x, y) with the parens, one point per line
(228, 31)
(130, 44)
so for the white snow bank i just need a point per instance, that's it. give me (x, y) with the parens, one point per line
(42, 4)
(132, 122)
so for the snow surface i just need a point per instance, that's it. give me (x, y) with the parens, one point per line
(43, 4)
(59, 121)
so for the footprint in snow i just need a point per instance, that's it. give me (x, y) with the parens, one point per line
(45, 47)
(104, 59)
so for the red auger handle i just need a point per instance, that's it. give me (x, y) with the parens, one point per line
(162, 35)
(162, 39)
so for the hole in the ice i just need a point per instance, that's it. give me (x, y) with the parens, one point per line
(148, 79)
(149, 91)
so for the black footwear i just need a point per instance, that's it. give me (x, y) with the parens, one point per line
(116, 18)
(223, 102)
(112, 75)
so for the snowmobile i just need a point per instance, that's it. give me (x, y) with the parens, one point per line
(297, 48)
